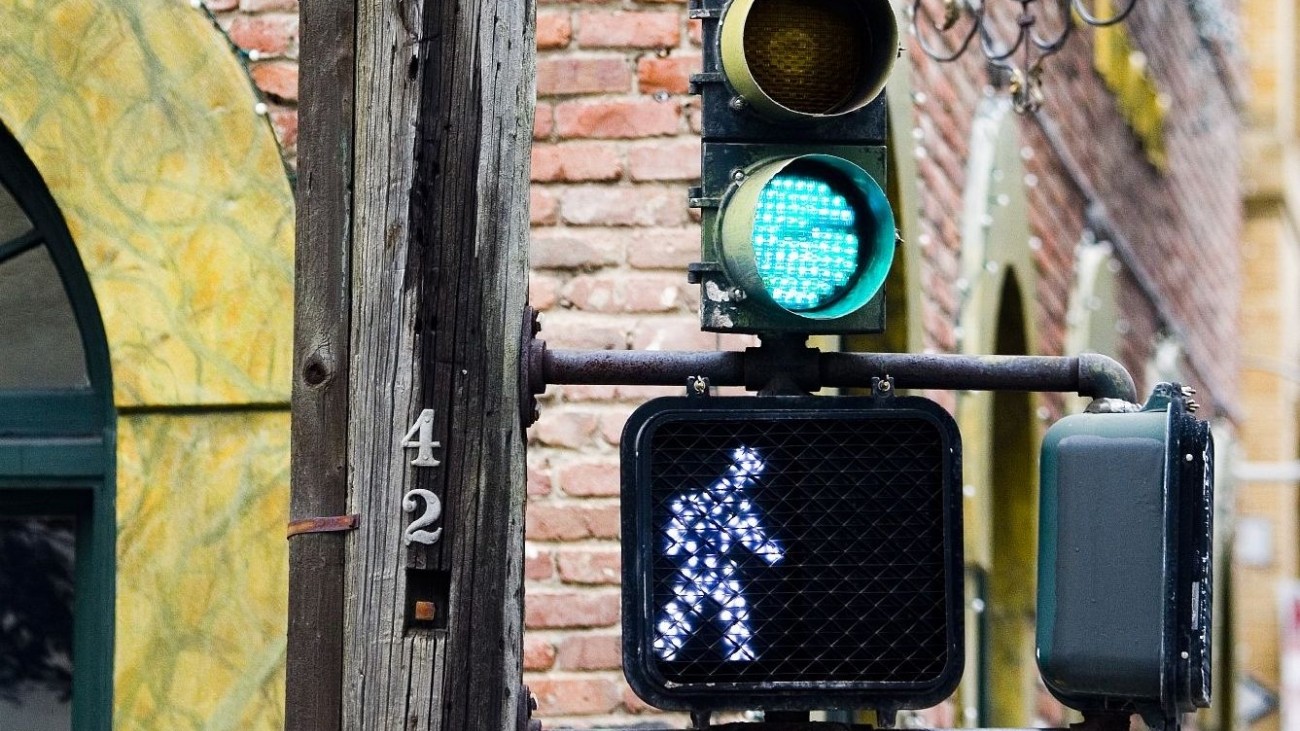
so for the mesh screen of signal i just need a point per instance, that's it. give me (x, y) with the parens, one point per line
(803, 550)
(807, 56)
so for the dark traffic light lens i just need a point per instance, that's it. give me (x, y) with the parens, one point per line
(807, 56)
(794, 59)
(806, 243)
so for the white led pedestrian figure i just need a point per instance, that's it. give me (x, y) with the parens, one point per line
(703, 527)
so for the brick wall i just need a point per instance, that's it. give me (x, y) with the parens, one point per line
(615, 147)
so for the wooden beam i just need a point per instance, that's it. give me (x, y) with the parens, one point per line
(444, 106)
(314, 672)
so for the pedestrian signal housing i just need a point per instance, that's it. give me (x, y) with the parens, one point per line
(791, 553)
(797, 231)
(1124, 562)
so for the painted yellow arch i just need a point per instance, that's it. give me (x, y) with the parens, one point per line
(142, 122)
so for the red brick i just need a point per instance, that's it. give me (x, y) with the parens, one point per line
(257, 6)
(672, 248)
(665, 161)
(571, 522)
(539, 565)
(589, 566)
(590, 652)
(272, 34)
(626, 292)
(574, 696)
(589, 479)
(671, 74)
(576, 162)
(570, 429)
(543, 291)
(586, 393)
(584, 333)
(554, 29)
(611, 425)
(627, 119)
(539, 481)
(568, 248)
(543, 208)
(583, 75)
(543, 121)
(285, 123)
(672, 335)
(629, 29)
(570, 609)
(624, 206)
(539, 654)
(695, 29)
(278, 79)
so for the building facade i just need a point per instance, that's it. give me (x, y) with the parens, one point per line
(1107, 222)
(1110, 222)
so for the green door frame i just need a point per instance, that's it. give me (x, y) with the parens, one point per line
(57, 448)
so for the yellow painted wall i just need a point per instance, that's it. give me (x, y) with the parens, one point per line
(202, 571)
(141, 120)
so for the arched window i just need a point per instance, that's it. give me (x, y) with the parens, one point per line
(57, 522)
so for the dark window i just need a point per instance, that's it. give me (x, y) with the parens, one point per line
(57, 517)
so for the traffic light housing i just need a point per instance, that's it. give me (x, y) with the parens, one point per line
(797, 234)
(791, 553)
(1125, 558)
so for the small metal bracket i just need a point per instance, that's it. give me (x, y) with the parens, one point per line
(527, 704)
(883, 387)
(328, 524)
(695, 271)
(697, 387)
(700, 720)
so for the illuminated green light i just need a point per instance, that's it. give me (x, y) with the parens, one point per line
(806, 244)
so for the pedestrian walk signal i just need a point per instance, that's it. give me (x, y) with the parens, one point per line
(791, 553)
(1125, 558)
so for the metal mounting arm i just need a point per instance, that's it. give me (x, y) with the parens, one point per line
(790, 359)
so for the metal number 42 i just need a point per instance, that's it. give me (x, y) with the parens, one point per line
(420, 437)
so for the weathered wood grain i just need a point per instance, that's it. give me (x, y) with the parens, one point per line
(438, 281)
(313, 683)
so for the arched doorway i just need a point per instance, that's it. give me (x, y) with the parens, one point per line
(999, 431)
(57, 521)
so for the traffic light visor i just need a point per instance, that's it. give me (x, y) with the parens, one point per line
(800, 58)
(812, 235)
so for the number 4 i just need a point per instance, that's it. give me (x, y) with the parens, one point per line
(424, 442)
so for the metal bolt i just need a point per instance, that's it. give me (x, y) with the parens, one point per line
(886, 386)
(737, 103)
(738, 176)
(738, 294)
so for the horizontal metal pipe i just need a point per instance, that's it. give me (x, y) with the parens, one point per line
(642, 367)
(1088, 375)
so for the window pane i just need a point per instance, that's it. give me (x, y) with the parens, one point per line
(36, 593)
(12, 221)
(40, 345)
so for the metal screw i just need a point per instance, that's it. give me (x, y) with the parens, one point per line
(738, 176)
(737, 103)
(738, 294)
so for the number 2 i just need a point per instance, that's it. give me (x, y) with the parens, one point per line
(432, 511)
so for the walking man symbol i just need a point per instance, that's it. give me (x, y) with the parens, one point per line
(701, 531)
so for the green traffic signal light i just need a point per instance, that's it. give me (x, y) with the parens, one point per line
(812, 236)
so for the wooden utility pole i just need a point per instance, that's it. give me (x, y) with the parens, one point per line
(416, 121)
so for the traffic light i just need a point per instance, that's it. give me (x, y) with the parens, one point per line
(797, 232)
(791, 553)
(1125, 557)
